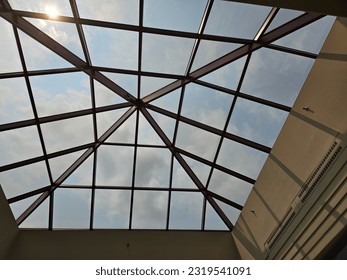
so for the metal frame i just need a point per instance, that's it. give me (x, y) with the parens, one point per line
(138, 105)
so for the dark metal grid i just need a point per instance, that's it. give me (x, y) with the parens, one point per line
(261, 40)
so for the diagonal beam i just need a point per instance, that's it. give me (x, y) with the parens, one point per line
(238, 53)
(186, 167)
(211, 129)
(76, 164)
(63, 116)
(216, 166)
(54, 46)
(130, 27)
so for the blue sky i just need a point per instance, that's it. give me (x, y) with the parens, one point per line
(271, 75)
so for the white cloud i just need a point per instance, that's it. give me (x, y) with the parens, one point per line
(14, 101)
(8, 48)
(153, 167)
(67, 133)
(165, 54)
(241, 158)
(122, 11)
(19, 144)
(150, 209)
(197, 141)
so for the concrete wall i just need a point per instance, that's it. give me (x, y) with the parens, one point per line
(113, 244)
(8, 226)
(302, 143)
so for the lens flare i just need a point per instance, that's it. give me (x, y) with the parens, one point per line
(51, 11)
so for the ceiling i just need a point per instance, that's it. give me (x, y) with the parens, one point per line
(144, 114)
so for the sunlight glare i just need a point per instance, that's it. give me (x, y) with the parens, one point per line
(51, 11)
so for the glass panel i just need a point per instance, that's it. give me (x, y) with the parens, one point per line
(150, 210)
(231, 212)
(165, 54)
(166, 124)
(121, 11)
(197, 141)
(14, 102)
(282, 17)
(146, 133)
(153, 167)
(20, 206)
(177, 15)
(111, 47)
(112, 209)
(212, 219)
(152, 84)
(180, 178)
(186, 210)
(229, 187)
(71, 208)
(106, 119)
(53, 8)
(228, 76)
(39, 218)
(64, 33)
(127, 82)
(200, 170)
(105, 96)
(126, 132)
(8, 48)
(256, 122)
(69, 133)
(115, 166)
(83, 175)
(279, 81)
(169, 101)
(310, 38)
(38, 57)
(205, 105)
(24, 179)
(241, 158)
(19, 144)
(209, 51)
(235, 19)
(60, 93)
(60, 164)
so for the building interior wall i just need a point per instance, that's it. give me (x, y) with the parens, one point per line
(304, 140)
(127, 245)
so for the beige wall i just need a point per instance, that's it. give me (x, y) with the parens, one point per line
(302, 143)
(113, 244)
(8, 226)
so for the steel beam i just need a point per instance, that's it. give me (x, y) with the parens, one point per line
(54, 46)
(75, 165)
(216, 166)
(238, 53)
(245, 96)
(211, 129)
(186, 167)
(129, 27)
(63, 116)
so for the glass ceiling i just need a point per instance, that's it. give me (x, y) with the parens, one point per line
(144, 114)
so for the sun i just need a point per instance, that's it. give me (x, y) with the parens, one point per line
(51, 11)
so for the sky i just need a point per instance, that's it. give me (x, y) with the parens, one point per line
(271, 75)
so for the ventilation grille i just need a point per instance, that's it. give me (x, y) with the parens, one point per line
(321, 174)
(305, 192)
(314, 173)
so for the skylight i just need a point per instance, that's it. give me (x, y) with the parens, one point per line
(160, 119)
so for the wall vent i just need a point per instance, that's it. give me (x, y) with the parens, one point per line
(307, 189)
